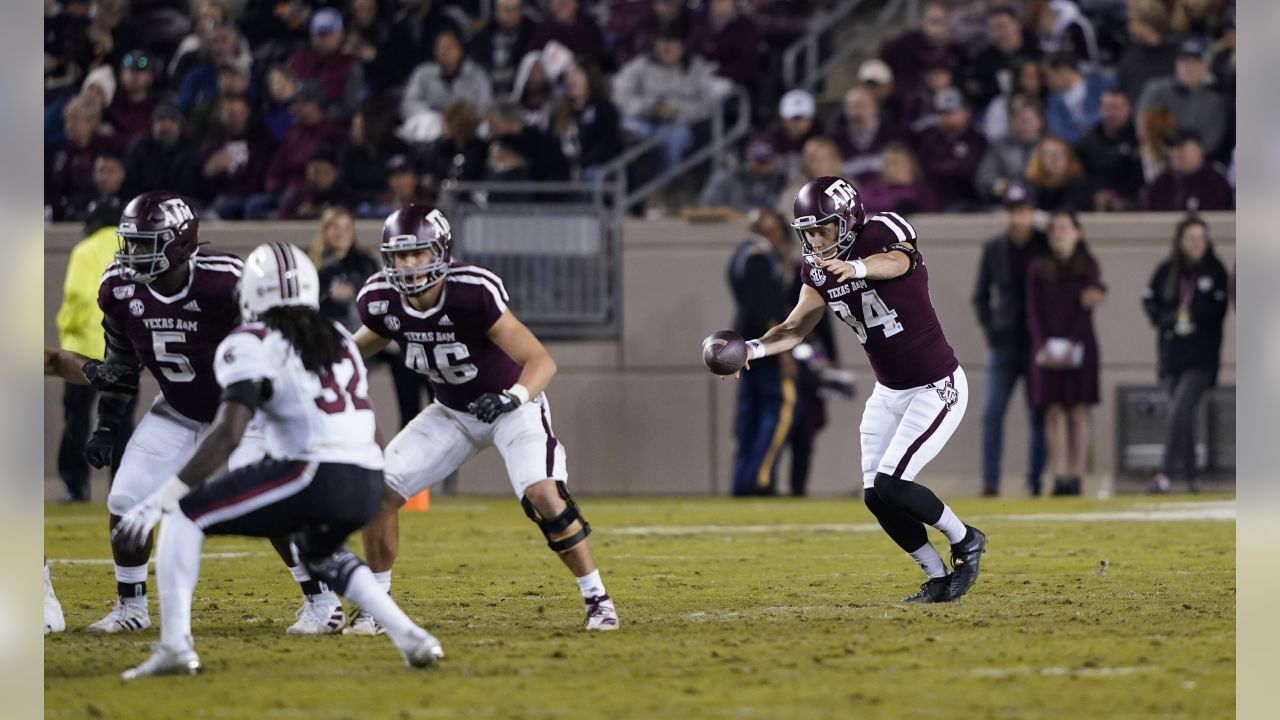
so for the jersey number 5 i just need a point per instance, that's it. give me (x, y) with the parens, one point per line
(333, 399)
(874, 314)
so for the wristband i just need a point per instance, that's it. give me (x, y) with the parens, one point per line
(859, 268)
(755, 349)
(519, 392)
(171, 492)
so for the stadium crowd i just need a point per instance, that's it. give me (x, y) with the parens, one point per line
(283, 108)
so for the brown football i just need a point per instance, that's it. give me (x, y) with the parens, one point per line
(724, 352)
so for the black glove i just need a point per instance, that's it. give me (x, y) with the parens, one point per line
(111, 376)
(489, 406)
(100, 448)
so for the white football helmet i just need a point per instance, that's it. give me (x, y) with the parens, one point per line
(277, 274)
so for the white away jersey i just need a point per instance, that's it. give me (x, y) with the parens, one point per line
(326, 418)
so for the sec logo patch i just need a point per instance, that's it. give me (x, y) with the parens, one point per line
(136, 307)
(817, 276)
(393, 322)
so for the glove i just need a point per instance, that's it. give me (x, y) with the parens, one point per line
(100, 448)
(105, 376)
(489, 406)
(133, 529)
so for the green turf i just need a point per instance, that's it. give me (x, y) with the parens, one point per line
(755, 609)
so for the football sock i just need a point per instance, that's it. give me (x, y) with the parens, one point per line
(309, 586)
(929, 561)
(591, 585)
(131, 584)
(177, 569)
(950, 525)
(363, 590)
(384, 581)
(909, 534)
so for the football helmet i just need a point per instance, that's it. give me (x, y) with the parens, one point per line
(277, 274)
(158, 231)
(824, 200)
(410, 229)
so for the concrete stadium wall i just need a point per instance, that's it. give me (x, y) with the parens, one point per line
(642, 416)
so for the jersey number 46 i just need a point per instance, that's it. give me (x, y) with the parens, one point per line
(447, 368)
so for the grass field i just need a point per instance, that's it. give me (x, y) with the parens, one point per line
(730, 609)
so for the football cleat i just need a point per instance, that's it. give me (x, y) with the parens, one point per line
(964, 562)
(933, 590)
(601, 615)
(424, 652)
(123, 618)
(363, 623)
(319, 615)
(166, 660)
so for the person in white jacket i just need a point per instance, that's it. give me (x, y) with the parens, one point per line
(452, 76)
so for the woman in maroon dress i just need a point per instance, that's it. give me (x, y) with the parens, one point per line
(1063, 288)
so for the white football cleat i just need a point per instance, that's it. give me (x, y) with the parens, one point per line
(363, 623)
(425, 652)
(54, 621)
(123, 618)
(166, 660)
(601, 615)
(319, 615)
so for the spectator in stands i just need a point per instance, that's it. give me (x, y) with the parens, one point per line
(198, 85)
(209, 16)
(999, 300)
(458, 155)
(542, 154)
(665, 90)
(898, 187)
(911, 53)
(861, 135)
(1201, 20)
(1156, 128)
(731, 40)
(587, 122)
(165, 159)
(322, 189)
(796, 110)
(1063, 28)
(874, 75)
(235, 160)
(919, 113)
(368, 32)
(1063, 288)
(1028, 84)
(1148, 54)
(233, 81)
(287, 173)
(108, 181)
(67, 49)
(1186, 93)
(1222, 60)
(1074, 98)
(108, 42)
(69, 169)
(453, 76)
(363, 163)
(130, 111)
(571, 28)
(820, 157)
(328, 63)
(508, 161)
(414, 32)
(1186, 301)
(342, 266)
(275, 28)
(949, 152)
(403, 186)
(501, 43)
(992, 70)
(534, 91)
(1056, 178)
(634, 25)
(755, 183)
(1110, 156)
(1189, 184)
(1005, 161)
(277, 109)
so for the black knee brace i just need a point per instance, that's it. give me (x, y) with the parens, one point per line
(334, 568)
(915, 501)
(559, 538)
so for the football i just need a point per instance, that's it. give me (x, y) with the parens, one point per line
(724, 352)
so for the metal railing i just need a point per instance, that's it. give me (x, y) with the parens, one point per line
(802, 66)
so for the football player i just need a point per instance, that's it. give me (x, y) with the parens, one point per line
(488, 373)
(166, 307)
(870, 273)
(322, 480)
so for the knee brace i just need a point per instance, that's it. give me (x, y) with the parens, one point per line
(119, 501)
(334, 568)
(559, 537)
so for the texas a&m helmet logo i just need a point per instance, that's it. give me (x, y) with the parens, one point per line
(841, 192)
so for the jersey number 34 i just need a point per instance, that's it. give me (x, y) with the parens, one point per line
(875, 314)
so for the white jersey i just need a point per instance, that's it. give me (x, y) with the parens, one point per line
(322, 418)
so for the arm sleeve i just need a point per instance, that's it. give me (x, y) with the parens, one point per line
(241, 357)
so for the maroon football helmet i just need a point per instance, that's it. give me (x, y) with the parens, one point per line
(158, 231)
(415, 228)
(824, 200)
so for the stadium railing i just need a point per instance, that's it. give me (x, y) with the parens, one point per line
(802, 63)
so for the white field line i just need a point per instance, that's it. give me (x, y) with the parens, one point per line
(109, 561)
(1087, 672)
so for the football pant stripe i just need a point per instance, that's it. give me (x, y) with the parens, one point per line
(928, 433)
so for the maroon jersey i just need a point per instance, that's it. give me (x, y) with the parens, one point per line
(176, 337)
(893, 319)
(448, 343)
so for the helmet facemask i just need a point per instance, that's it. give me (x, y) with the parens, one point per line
(413, 280)
(841, 247)
(143, 267)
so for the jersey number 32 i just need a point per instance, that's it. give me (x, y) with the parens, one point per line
(874, 314)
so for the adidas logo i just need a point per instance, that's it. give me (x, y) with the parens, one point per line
(192, 306)
(445, 321)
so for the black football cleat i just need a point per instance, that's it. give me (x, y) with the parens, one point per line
(934, 590)
(964, 562)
